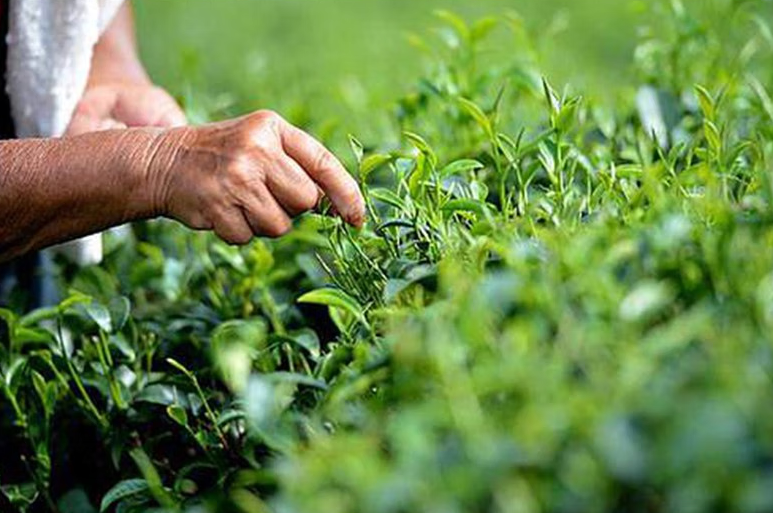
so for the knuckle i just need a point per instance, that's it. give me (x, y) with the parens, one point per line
(307, 203)
(243, 175)
(350, 197)
(264, 149)
(267, 118)
(324, 162)
(236, 238)
(309, 198)
(259, 141)
(278, 228)
(200, 222)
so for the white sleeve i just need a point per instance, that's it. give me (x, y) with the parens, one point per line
(50, 46)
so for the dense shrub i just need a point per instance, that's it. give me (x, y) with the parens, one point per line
(554, 306)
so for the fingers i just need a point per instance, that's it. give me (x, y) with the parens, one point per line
(266, 217)
(326, 170)
(170, 114)
(257, 215)
(148, 106)
(110, 124)
(174, 118)
(82, 124)
(233, 227)
(295, 191)
(248, 177)
(113, 107)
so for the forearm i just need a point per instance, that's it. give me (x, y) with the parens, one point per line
(116, 58)
(54, 190)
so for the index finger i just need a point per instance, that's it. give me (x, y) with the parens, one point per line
(327, 171)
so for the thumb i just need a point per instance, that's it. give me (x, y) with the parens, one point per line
(172, 117)
(84, 124)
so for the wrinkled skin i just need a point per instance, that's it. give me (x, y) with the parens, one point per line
(120, 94)
(125, 105)
(240, 178)
(247, 177)
(127, 155)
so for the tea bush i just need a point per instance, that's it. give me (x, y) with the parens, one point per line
(554, 306)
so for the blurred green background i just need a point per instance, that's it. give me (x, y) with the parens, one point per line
(276, 53)
(344, 61)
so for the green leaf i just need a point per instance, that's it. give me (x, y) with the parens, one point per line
(36, 317)
(335, 298)
(461, 167)
(305, 338)
(465, 205)
(8, 316)
(120, 309)
(180, 367)
(763, 96)
(457, 23)
(423, 146)
(21, 495)
(713, 137)
(357, 149)
(478, 115)
(98, 313)
(123, 490)
(567, 114)
(178, 414)
(482, 28)
(706, 102)
(235, 345)
(75, 298)
(373, 162)
(23, 336)
(553, 101)
(157, 393)
(388, 197)
(46, 392)
(152, 478)
(296, 379)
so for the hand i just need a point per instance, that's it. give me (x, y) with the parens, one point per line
(247, 177)
(122, 105)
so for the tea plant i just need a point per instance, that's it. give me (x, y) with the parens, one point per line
(552, 307)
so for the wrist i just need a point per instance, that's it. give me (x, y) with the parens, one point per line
(154, 166)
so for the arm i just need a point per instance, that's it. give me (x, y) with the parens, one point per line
(54, 190)
(239, 178)
(116, 56)
(119, 93)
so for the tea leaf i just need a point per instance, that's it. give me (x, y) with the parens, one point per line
(335, 298)
(178, 414)
(461, 167)
(123, 490)
(478, 115)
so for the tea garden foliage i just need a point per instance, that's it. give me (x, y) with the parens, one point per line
(554, 307)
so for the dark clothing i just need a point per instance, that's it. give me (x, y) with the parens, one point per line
(6, 123)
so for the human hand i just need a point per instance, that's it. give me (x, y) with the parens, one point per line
(123, 105)
(246, 177)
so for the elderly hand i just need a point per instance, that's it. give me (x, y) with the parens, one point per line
(124, 105)
(246, 177)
